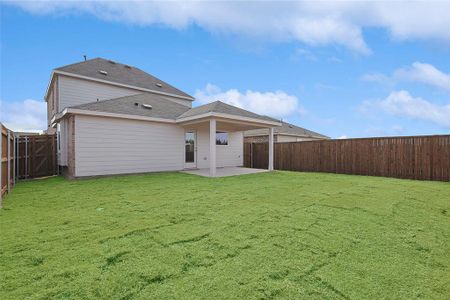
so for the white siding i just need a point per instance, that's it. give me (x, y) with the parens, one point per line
(289, 138)
(230, 155)
(74, 91)
(106, 146)
(62, 140)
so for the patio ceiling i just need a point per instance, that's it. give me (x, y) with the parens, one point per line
(227, 124)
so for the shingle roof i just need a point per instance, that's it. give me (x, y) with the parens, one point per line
(220, 107)
(287, 128)
(120, 73)
(161, 106)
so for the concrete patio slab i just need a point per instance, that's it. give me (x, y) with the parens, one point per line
(225, 172)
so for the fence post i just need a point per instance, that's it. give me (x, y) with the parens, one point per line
(14, 159)
(251, 155)
(9, 161)
(17, 159)
(1, 164)
(26, 158)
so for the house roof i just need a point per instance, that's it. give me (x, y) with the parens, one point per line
(164, 108)
(103, 69)
(288, 129)
(223, 108)
(133, 105)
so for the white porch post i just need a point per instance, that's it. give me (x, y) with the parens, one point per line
(270, 168)
(212, 147)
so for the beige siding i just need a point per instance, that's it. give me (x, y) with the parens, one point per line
(63, 142)
(115, 146)
(73, 91)
(288, 138)
(50, 108)
(230, 155)
(52, 102)
(71, 144)
(259, 139)
(277, 138)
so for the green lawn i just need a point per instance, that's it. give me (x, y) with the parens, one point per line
(264, 236)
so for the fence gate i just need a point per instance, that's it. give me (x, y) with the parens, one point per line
(36, 156)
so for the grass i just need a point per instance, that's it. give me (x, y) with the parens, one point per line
(275, 235)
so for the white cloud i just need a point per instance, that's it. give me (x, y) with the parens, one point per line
(276, 104)
(304, 53)
(377, 131)
(416, 72)
(402, 104)
(313, 23)
(376, 77)
(342, 137)
(424, 73)
(335, 59)
(28, 115)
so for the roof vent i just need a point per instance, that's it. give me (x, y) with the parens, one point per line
(103, 72)
(158, 84)
(136, 104)
(127, 66)
(112, 62)
(148, 106)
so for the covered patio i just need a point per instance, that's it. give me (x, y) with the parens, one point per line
(205, 154)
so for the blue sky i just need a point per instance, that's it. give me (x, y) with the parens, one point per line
(340, 69)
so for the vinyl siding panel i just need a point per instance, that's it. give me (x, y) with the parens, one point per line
(63, 142)
(230, 155)
(286, 138)
(107, 146)
(289, 138)
(74, 91)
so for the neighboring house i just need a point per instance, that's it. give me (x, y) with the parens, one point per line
(112, 118)
(285, 133)
(25, 133)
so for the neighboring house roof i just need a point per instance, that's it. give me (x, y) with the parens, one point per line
(287, 129)
(223, 108)
(162, 108)
(103, 69)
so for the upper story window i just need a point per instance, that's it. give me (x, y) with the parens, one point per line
(221, 138)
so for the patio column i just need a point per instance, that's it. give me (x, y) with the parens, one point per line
(212, 147)
(270, 167)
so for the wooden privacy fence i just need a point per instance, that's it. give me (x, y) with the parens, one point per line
(413, 157)
(36, 156)
(7, 175)
(26, 157)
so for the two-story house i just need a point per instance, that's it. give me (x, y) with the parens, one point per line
(113, 118)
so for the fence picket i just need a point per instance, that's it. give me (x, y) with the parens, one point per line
(415, 157)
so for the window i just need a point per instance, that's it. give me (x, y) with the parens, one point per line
(221, 138)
